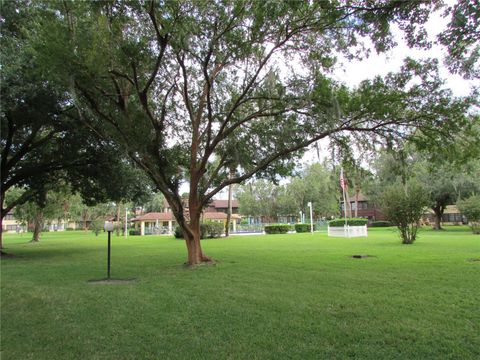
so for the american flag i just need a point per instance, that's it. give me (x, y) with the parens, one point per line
(343, 181)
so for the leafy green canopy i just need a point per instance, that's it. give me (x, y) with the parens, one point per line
(42, 145)
(462, 37)
(179, 84)
(447, 173)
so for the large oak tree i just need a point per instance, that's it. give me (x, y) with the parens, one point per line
(189, 88)
(35, 142)
(42, 144)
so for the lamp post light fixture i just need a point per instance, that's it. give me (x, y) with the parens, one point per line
(311, 217)
(108, 228)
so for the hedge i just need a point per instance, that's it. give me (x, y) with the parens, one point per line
(178, 232)
(303, 228)
(208, 229)
(277, 228)
(351, 222)
(133, 232)
(211, 229)
(381, 224)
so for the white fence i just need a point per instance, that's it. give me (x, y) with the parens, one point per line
(348, 231)
(157, 230)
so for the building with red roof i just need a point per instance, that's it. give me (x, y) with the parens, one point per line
(164, 222)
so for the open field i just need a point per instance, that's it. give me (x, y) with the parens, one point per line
(298, 296)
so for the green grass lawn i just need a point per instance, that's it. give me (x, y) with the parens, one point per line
(298, 296)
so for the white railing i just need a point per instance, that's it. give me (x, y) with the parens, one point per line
(348, 231)
(157, 230)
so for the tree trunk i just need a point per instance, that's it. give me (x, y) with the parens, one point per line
(84, 215)
(194, 247)
(37, 226)
(2, 215)
(1, 234)
(229, 207)
(438, 211)
(191, 233)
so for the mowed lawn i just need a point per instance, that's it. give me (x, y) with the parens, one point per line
(298, 296)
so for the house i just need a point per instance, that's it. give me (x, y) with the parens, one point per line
(222, 206)
(366, 208)
(157, 223)
(10, 224)
(451, 216)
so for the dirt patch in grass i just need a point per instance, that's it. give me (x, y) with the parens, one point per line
(202, 264)
(112, 281)
(362, 256)
(474, 260)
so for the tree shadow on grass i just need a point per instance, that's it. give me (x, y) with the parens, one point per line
(27, 252)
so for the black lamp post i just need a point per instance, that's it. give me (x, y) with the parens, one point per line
(108, 228)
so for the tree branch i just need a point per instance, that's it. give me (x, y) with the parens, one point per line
(162, 43)
(22, 199)
(262, 165)
(123, 76)
(94, 106)
(8, 144)
(185, 95)
(28, 145)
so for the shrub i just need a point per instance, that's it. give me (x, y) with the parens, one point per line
(96, 226)
(381, 223)
(471, 209)
(208, 229)
(69, 229)
(303, 228)
(277, 228)
(134, 232)
(178, 232)
(351, 222)
(403, 205)
(212, 229)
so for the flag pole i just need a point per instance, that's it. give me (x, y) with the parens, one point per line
(343, 185)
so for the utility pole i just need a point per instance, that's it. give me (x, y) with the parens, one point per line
(311, 216)
(126, 222)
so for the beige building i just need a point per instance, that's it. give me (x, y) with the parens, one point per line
(10, 224)
(451, 216)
